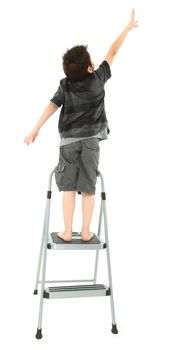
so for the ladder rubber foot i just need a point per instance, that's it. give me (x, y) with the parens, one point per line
(114, 329)
(35, 291)
(39, 333)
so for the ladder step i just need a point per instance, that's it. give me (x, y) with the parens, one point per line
(94, 290)
(57, 243)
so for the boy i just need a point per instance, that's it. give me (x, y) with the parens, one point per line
(82, 124)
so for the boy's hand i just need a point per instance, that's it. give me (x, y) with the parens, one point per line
(31, 137)
(132, 24)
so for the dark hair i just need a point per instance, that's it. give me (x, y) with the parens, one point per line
(75, 63)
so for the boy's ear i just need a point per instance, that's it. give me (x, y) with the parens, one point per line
(91, 68)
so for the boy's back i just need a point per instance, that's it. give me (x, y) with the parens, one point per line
(83, 113)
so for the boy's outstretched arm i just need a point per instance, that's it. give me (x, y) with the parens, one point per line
(118, 42)
(49, 110)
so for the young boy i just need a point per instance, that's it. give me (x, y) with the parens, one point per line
(82, 124)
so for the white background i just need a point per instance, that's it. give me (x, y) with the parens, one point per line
(137, 162)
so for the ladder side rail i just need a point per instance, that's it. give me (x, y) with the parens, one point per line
(42, 240)
(107, 248)
(46, 233)
(40, 254)
(99, 234)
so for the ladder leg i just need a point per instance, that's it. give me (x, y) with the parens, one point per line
(114, 326)
(103, 196)
(45, 241)
(40, 258)
(39, 329)
(97, 251)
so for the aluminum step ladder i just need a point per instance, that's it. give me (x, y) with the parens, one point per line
(52, 241)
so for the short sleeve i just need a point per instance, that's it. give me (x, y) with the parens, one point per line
(104, 71)
(58, 97)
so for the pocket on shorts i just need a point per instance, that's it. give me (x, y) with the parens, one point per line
(92, 144)
(60, 168)
(59, 173)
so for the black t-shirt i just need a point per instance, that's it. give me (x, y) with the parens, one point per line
(83, 112)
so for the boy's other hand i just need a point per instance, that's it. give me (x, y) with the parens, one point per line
(31, 137)
(132, 23)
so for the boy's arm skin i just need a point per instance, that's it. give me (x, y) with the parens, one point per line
(49, 110)
(118, 42)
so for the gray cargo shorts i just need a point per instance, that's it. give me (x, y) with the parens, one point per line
(78, 166)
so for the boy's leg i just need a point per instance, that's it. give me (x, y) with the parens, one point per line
(68, 211)
(87, 210)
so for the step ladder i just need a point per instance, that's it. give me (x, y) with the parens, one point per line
(52, 241)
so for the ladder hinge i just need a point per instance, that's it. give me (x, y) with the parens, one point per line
(45, 295)
(108, 292)
(104, 245)
(49, 193)
(103, 195)
(49, 246)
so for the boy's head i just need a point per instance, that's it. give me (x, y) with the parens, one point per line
(77, 63)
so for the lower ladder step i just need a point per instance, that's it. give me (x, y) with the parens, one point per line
(94, 290)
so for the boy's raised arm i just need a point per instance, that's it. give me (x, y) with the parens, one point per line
(118, 42)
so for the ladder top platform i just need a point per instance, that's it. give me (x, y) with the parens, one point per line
(57, 243)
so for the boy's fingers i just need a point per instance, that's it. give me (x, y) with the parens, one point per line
(132, 13)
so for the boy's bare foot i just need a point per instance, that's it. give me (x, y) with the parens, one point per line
(67, 237)
(86, 237)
